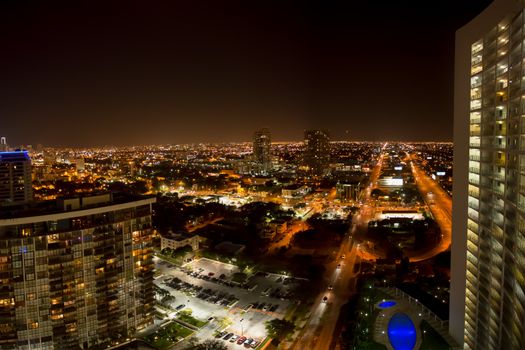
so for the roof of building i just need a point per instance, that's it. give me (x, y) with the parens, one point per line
(14, 156)
(178, 236)
(229, 247)
(87, 205)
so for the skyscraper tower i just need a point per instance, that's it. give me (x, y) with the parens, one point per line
(317, 150)
(487, 299)
(76, 275)
(15, 178)
(261, 150)
(3, 144)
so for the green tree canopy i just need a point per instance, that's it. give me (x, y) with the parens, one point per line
(279, 329)
(209, 345)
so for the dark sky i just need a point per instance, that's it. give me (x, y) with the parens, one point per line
(82, 73)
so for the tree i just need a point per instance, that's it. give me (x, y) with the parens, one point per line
(224, 322)
(279, 329)
(376, 192)
(209, 345)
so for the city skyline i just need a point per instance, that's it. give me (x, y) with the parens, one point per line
(301, 176)
(155, 75)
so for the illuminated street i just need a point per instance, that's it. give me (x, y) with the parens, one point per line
(440, 205)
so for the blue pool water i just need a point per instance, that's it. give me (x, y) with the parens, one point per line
(401, 332)
(386, 304)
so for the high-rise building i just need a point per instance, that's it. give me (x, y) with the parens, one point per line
(3, 144)
(15, 178)
(261, 150)
(76, 276)
(487, 301)
(317, 150)
(80, 164)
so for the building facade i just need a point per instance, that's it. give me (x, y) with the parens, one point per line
(261, 150)
(3, 144)
(15, 178)
(347, 192)
(317, 151)
(77, 277)
(487, 303)
(175, 241)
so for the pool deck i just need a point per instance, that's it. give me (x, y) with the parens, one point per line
(381, 324)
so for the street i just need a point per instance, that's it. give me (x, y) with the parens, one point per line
(317, 334)
(440, 205)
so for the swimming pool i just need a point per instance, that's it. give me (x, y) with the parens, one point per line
(386, 304)
(402, 332)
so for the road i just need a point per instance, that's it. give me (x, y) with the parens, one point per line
(318, 332)
(319, 329)
(315, 206)
(368, 210)
(293, 228)
(436, 198)
(440, 204)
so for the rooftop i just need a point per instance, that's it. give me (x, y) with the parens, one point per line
(68, 205)
(13, 156)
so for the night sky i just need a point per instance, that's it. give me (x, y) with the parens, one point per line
(83, 73)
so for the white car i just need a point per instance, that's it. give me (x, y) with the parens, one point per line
(234, 338)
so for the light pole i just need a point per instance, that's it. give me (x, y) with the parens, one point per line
(242, 330)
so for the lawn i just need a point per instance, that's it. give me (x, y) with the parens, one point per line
(170, 259)
(263, 343)
(188, 318)
(168, 335)
(432, 340)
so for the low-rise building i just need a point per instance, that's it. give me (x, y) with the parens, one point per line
(178, 240)
(347, 191)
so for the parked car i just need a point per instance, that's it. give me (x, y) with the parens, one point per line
(228, 336)
(254, 344)
(181, 306)
(234, 338)
(241, 340)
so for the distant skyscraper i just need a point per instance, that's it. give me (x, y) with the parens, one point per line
(80, 164)
(487, 301)
(3, 144)
(15, 178)
(76, 276)
(49, 157)
(261, 149)
(317, 150)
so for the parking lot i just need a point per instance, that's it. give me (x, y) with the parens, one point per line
(205, 287)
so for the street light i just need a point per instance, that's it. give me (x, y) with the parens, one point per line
(242, 330)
